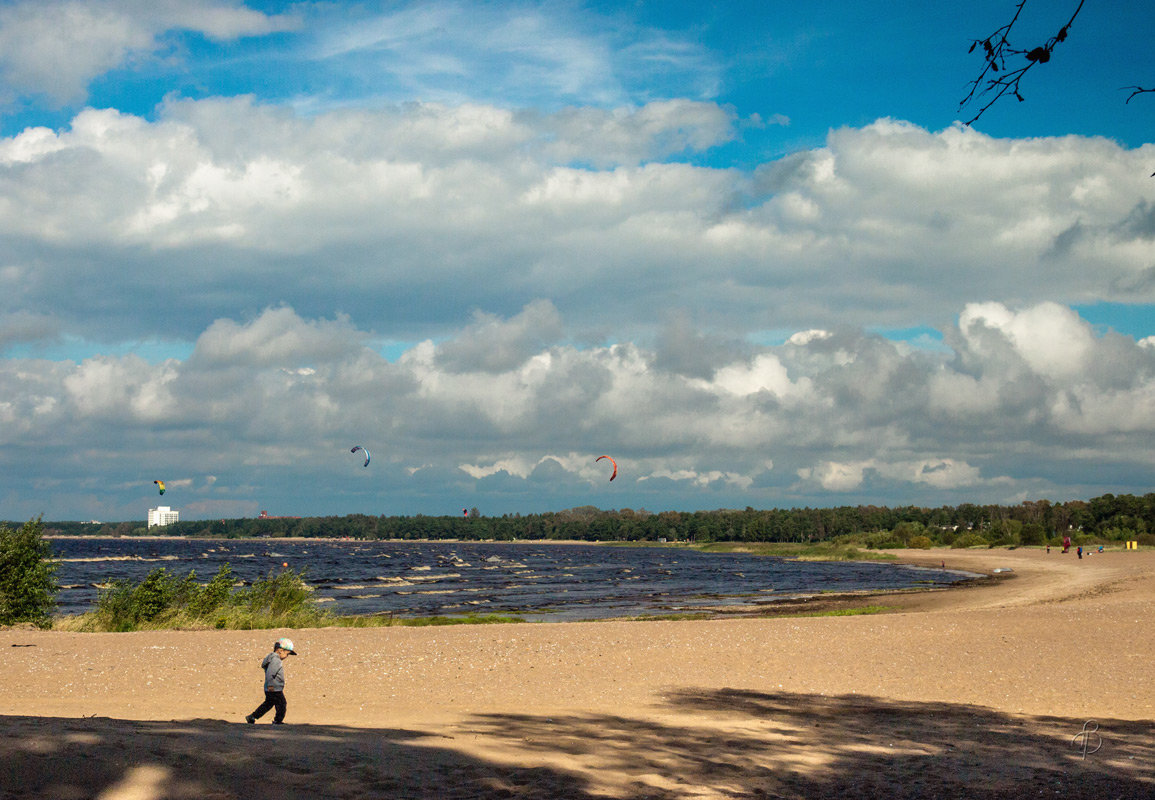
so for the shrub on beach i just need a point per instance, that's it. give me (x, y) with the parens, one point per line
(969, 540)
(281, 600)
(27, 575)
(162, 600)
(207, 599)
(123, 606)
(882, 540)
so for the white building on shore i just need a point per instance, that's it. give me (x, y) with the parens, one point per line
(162, 515)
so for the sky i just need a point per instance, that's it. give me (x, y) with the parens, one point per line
(751, 250)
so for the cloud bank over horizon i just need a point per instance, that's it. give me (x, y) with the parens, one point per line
(1019, 406)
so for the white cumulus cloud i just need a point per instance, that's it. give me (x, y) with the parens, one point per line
(57, 47)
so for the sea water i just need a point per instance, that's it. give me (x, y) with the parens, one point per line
(530, 580)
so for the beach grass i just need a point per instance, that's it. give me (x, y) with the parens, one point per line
(93, 622)
(681, 617)
(816, 551)
(843, 612)
(388, 620)
(800, 551)
(768, 612)
(230, 619)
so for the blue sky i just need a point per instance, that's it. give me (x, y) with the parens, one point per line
(823, 64)
(746, 247)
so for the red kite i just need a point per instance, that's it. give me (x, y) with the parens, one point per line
(599, 458)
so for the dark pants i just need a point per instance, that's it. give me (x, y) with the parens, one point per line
(272, 700)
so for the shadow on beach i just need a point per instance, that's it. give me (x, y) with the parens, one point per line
(111, 759)
(744, 744)
(732, 744)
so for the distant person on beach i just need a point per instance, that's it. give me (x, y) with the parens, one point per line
(1079, 550)
(274, 668)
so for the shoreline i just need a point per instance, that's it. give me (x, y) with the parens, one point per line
(977, 691)
(149, 537)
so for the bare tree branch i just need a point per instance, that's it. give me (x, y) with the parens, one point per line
(996, 80)
(1136, 90)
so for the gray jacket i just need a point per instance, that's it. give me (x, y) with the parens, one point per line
(274, 673)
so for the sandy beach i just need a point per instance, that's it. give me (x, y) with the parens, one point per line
(1036, 683)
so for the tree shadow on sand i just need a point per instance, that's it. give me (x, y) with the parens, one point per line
(743, 744)
(697, 744)
(111, 759)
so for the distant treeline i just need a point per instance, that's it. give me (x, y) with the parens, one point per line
(1107, 518)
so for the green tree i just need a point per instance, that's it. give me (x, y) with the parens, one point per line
(27, 575)
(1033, 533)
(905, 531)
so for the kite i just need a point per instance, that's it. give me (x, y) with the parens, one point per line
(363, 450)
(160, 485)
(599, 458)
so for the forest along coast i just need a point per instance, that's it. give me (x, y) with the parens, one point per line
(1106, 519)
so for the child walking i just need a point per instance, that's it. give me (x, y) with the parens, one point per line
(274, 683)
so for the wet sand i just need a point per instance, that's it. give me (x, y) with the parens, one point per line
(979, 692)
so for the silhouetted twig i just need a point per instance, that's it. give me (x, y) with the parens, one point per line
(996, 80)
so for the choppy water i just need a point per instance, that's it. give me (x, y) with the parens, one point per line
(538, 581)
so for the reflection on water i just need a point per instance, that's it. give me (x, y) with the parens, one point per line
(547, 581)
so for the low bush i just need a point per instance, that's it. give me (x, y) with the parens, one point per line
(970, 539)
(163, 600)
(884, 540)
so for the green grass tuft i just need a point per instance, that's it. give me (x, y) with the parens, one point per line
(819, 551)
(387, 620)
(843, 612)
